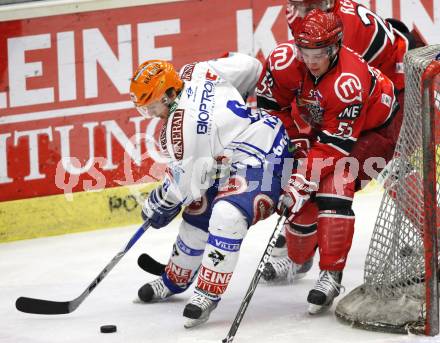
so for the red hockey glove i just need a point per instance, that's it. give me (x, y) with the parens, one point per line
(300, 147)
(296, 194)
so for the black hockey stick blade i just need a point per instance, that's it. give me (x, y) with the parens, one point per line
(150, 265)
(40, 306)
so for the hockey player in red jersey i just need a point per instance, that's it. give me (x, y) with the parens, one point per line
(347, 111)
(372, 37)
(375, 39)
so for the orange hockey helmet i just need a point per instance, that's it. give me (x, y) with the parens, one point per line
(151, 81)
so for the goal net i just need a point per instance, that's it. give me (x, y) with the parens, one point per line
(400, 292)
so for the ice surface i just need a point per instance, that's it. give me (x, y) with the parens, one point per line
(60, 268)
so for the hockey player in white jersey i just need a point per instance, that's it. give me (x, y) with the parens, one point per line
(225, 166)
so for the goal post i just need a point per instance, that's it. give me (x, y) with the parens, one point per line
(431, 109)
(400, 290)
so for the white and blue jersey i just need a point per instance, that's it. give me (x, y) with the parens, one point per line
(211, 123)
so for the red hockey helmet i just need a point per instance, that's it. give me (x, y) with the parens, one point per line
(319, 29)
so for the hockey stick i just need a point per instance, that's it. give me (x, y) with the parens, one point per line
(150, 265)
(254, 282)
(40, 306)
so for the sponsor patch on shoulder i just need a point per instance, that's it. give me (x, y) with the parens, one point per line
(210, 76)
(386, 100)
(187, 72)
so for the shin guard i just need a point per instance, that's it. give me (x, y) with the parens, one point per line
(335, 220)
(185, 258)
(301, 234)
(335, 235)
(227, 228)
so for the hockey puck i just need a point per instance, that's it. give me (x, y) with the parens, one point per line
(108, 328)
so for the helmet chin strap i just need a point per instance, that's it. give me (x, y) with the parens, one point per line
(333, 51)
(173, 104)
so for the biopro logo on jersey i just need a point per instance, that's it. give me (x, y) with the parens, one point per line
(203, 116)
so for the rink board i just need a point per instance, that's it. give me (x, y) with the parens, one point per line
(60, 214)
(69, 64)
(83, 211)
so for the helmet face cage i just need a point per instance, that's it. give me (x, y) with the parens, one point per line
(156, 109)
(302, 7)
(316, 55)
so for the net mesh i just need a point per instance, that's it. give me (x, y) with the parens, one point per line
(392, 296)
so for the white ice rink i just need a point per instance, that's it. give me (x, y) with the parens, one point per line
(60, 268)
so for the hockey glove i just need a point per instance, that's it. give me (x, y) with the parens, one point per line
(158, 211)
(300, 147)
(296, 194)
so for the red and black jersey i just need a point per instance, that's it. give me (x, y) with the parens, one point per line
(349, 99)
(280, 82)
(374, 39)
(364, 32)
(280, 79)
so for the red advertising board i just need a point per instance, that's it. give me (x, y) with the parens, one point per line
(66, 121)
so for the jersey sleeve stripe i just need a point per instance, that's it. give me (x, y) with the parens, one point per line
(377, 45)
(343, 145)
(252, 146)
(251, 154)
(266, 103)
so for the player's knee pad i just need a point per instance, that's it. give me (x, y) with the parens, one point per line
(301, 235)
(227, 221)
(185, 258)
(227, 228)
(335, 223)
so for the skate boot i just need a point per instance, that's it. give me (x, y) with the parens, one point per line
(327, 288)
(283, 269)
(198, 309)
(154, 291)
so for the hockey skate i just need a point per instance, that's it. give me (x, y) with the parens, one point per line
(198, 309)
(154, 291)
(281, 269)
(326, 289)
